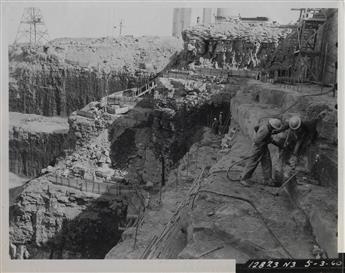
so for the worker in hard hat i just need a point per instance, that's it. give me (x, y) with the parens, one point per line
(295, 142)
(261, 153)
(302, 133)
(221, 123)
(215, 126)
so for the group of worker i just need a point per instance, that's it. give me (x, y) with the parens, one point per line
(290, 143)
(217, 124)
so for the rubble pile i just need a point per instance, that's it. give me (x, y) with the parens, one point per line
(233, 45)
(90, 121)
(144, 136)
(189, 94)
(89, 161)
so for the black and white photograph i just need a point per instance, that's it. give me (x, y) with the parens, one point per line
(171, 131)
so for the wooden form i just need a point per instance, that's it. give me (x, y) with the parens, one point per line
(308, 24)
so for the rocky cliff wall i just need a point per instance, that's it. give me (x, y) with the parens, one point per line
(58, 90)
(259, 101)
(233, 44)
(49, 221)
(67, 74)
(148, 142)
(35, 142)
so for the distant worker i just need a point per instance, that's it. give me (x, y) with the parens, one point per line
(261, 153)
(215, 126)
(221, 123)
(223, 59)
(220, 118)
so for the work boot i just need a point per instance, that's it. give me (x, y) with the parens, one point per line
(244, 183)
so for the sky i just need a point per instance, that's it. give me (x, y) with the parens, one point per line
(98, 19)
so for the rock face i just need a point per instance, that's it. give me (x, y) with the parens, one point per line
(232, 44)
(67, 74)
(235, 229)
(35, 142)
(162, 140)
(149, 142)
(319, 159)
(259, 101)
(225, 219)
(49, 221)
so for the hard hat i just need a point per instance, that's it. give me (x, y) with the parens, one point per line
(294, 122)
(275, 123)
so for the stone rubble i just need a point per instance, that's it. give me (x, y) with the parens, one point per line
(233, 44)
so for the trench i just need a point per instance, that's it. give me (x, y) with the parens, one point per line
(156, 152)
(66, 224)
(161, 142)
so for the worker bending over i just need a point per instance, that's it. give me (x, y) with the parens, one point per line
(261, 153)
(300, 135)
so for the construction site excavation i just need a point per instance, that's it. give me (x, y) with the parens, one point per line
(217, 142)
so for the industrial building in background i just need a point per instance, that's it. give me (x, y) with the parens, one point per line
(32, 28)
(222, 14)
(181, 20)
(208, 16)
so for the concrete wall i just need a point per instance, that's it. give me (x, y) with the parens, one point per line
(181, 20)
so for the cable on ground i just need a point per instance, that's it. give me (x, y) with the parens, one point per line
(256, 210)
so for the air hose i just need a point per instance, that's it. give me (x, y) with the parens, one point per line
(234, 164)
(256, 210)
(247, 200)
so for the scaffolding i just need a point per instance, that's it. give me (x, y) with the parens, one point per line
(304, 54)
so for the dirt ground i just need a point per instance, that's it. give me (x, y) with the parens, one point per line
(16, 180)
(237, 227)
(37, 123)
(158, 214)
